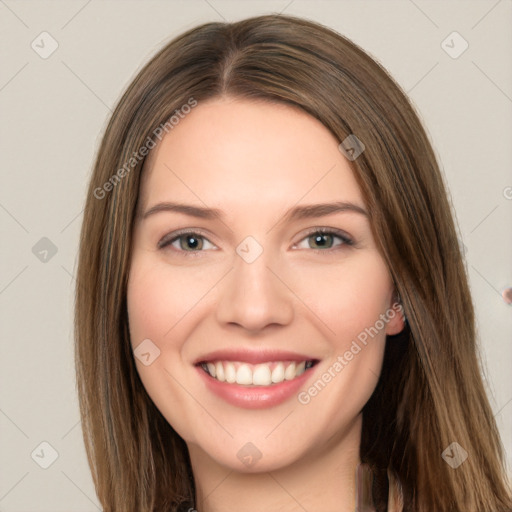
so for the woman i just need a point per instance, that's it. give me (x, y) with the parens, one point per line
(272, 312)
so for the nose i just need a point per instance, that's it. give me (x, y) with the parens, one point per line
(254, 295)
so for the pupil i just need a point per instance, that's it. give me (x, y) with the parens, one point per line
(319, 237)
(194, 242)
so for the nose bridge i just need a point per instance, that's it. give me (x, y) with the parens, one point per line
(252, 295)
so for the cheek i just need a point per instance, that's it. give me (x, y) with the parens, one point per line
(156, 303)
(160, 305)
(356, 297)
(346, 298)
(158, 299)
(149, 312)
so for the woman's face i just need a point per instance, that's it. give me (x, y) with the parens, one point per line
(258, 338)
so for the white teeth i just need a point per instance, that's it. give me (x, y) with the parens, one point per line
(278, 373)
(211, 369)
(219, 370)
(244, 375)
(289, 373)
(261, 375)
(256, 375)
(230, 372)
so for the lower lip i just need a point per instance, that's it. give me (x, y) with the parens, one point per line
(255, 397)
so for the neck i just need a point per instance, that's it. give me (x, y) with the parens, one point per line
(323, 479)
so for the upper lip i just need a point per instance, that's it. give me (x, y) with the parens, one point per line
(253, 356)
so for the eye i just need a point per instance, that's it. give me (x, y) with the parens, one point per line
(323, 239)
(186, 241)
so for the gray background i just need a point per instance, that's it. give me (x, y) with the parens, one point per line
(54, 110)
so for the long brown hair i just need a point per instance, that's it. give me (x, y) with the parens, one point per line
(430, 393)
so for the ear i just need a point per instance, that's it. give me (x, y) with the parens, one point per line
(395, 315)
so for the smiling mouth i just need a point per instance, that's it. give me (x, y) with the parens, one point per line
(263, 374)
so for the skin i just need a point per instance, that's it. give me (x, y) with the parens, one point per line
(255, 160)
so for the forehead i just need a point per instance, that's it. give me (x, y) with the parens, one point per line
(234, 153)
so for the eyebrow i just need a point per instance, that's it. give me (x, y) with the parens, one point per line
(296, 213)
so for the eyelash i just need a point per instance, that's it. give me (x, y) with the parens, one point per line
(166, 241)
